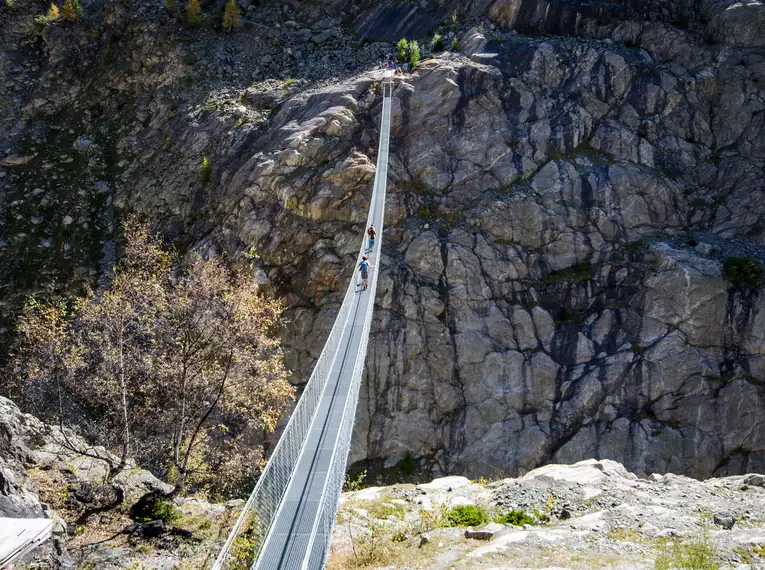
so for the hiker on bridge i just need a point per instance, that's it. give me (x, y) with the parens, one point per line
(364, 268)
(371, 234)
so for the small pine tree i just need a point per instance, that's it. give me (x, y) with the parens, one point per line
(71, 10)
(402, 47)
(414, 54)
(437, 44)
(455, 44)
(232, 16)
(194, 12)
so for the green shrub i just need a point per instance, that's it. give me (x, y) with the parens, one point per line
(437, 43)
(150, 508)
(744, 272)
(354, 483)
(515, 518)
(402, 46)
(467, 515)
(205, 171)
(243, 550)
(414, 54)
(455, 44)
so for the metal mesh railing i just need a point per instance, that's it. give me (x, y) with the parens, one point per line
(247, 537)
(251, 528)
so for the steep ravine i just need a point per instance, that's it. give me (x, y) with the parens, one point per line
(539, 300)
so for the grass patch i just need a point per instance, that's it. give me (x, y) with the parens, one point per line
(625, 535)
(467, 515)
(383, 509)
(431, 520)
(695, 555)
(750, 554)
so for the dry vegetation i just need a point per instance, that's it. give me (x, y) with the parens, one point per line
(174, 365)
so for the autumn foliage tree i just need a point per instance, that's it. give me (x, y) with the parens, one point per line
(232, 16)
(71, 10)
(176, 366)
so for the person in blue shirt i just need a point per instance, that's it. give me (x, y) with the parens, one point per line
(364, 269)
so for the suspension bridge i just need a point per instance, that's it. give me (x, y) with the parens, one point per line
(287, 522)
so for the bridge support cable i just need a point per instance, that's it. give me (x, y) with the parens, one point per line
(287, 521)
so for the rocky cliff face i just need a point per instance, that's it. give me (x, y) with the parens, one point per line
(557, 182)
(559, 210)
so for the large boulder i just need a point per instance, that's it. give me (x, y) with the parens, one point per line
(737, 22)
